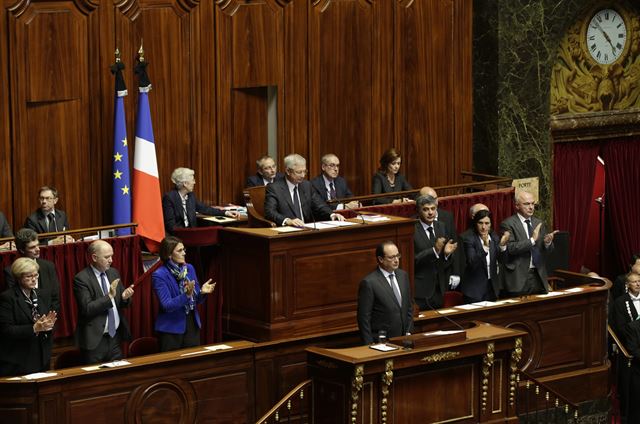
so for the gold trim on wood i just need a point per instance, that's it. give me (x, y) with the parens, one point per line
(440, 356)
(356, 388)
(516, 355)
(387, 379)
(487, 363)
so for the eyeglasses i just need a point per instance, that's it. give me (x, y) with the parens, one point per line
(332, 165)
(398, 256)
(31, 276)
(46, 198)
(299, 172)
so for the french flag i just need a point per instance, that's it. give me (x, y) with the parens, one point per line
(147, 201)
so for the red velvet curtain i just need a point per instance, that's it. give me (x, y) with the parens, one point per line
(623, 198)
(574, 170)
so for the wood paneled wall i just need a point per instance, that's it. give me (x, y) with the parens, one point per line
(352, 77)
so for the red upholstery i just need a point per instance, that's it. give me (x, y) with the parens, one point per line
(452, 298)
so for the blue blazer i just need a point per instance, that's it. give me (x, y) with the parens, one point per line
(340, 184)
(256, 180)
(171, 318)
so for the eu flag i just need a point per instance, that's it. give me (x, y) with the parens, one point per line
(120, 174)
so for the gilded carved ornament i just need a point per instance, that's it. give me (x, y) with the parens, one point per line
(580, 84)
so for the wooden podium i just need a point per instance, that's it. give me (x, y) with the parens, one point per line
(283, 285)
(471, 381)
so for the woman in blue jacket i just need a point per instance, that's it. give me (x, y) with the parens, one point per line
(176, 285)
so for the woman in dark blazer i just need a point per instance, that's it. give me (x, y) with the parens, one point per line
(176, 285)
(483, 249)
(388, 179)
(25, 323)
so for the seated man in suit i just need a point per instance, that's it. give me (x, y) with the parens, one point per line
(432, 255)
(267, 172)
(5, 231)
(384, 297)
(47, 286)
(524, 268)
(100, 297)
(179, 206)
(48, 219)
(292, 200)
(330, 186)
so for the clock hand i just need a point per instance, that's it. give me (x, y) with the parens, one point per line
(606, 37)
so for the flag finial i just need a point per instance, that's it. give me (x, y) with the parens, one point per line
(117, 54)
(141, 52)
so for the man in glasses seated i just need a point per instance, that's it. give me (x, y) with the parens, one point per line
(330, 186)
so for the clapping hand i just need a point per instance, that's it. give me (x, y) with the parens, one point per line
(548, 239)
(439, 244)
(505, 238)
(127, 293)
(189, 287)
(113, 288)
(450, 247)
(208, 287)
(45, 322)
(536, 232)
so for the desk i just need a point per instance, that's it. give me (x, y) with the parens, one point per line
(282, 285)
(168, 387)
(467, 381)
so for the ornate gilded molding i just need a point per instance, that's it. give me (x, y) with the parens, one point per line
(487, 363)
(387, 379)
(516, 356)
(356, 388)
(580, 85)
(440, 356)
(595, 125)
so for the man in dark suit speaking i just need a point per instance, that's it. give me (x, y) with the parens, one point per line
(524, 269)
(384, 297)
(100, 297)
(292, 200)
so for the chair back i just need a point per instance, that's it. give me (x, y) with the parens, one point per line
(254, 199)
(69, 359)
(143, 346)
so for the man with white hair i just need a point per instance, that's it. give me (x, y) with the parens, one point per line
(292, 200)
(179, 206)
(524, 269)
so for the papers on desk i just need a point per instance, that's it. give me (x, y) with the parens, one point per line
(286, 229)
(442, 332)
(383, 347)
(218, 347)
(34, 376)
(505, 301)
(219, 219)
(374, 218)
(485, 303)
(323, 225)
(469, 307)
(114, 364)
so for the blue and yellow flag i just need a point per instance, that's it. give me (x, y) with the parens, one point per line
(120, 174)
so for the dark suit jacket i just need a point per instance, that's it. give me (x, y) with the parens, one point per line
(256, 180)
(172, 211)
(619, 315)
(378, 308)
(340, 184)
(429, 271)
(93, 307)
(380, 184)
(38, 222)
(475, 277)
(446, 218)
(278, 204)
(5, 228)
(48, 284)
(22, 351)
(516, 264)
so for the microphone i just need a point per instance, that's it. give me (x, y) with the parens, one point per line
(346, 206)
(443, 315)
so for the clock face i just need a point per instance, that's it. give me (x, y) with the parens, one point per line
(606, 36)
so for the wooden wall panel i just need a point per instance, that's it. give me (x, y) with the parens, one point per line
(353, 77)
(431, 86)
(250, 44)
(345, 88)
(51, 64)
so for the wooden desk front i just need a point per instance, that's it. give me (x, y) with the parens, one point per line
(282, 285)
(467, 381)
